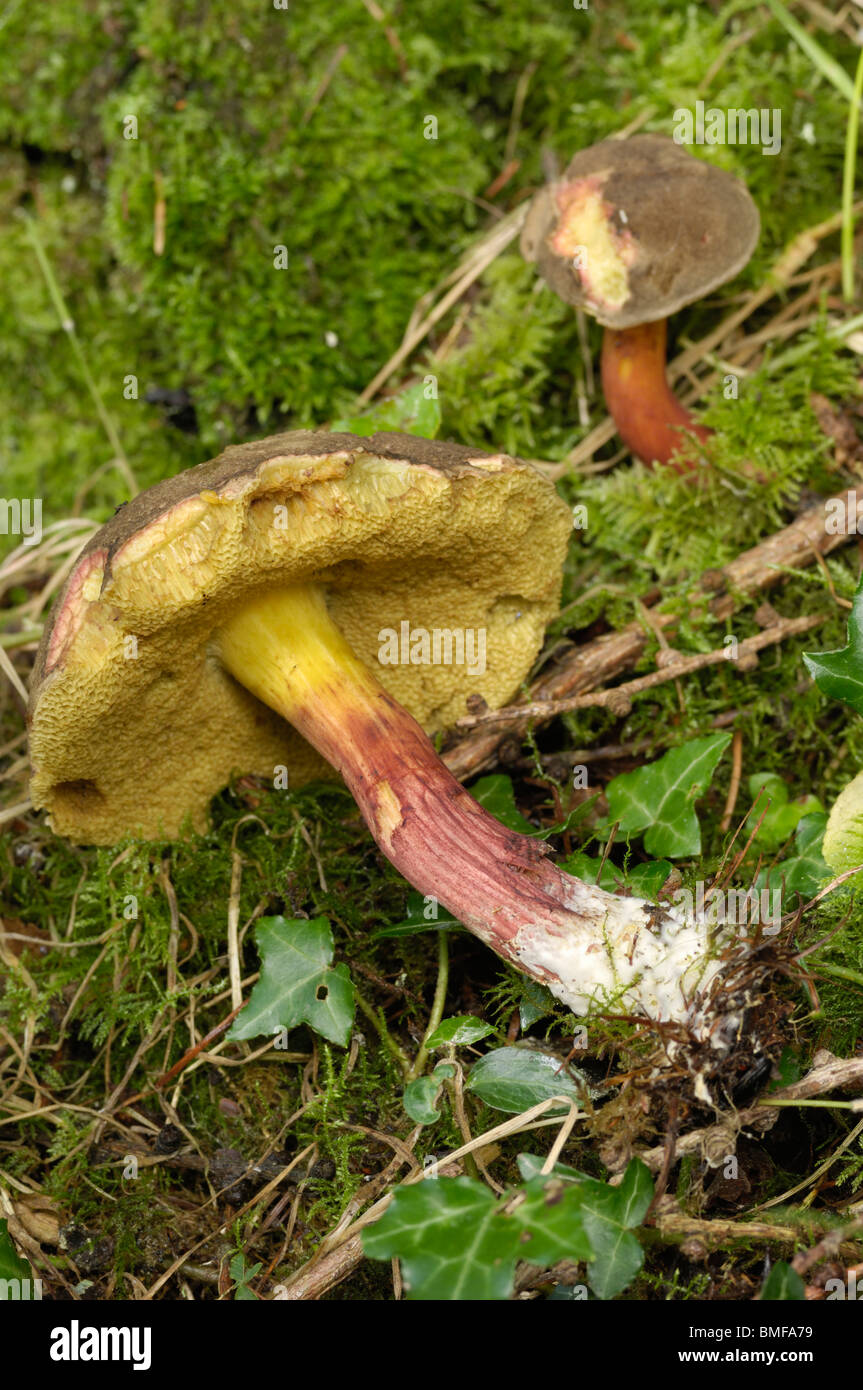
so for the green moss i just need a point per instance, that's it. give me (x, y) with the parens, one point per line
(256, 129)
(229, 134)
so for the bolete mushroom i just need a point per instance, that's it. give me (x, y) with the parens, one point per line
(634, 230)
(230, 620)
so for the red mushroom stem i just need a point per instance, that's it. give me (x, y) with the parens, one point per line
(649, 418)
(285, 649)
(579, 940)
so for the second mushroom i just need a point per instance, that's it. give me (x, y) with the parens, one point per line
(632, 231)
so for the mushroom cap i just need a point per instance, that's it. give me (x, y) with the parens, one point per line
(637, 228)
(134, 722)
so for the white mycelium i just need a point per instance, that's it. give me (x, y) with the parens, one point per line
(626, 954)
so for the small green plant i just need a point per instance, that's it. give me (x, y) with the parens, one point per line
(456, 1240)
(413, 411)
(299, 983)
(839, 674)
(783, 1284)
(515, 1078)
(242, 1274)
(657, 800)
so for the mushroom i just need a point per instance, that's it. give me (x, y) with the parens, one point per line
(842, 846)
(634, 230)
(231, 619)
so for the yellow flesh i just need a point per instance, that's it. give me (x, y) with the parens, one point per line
(285, 648)
(584, 227)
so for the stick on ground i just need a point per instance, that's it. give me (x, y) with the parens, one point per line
(595, 664)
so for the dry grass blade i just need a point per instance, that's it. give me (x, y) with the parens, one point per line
(67, 537)
(470, 268)
(12, 677)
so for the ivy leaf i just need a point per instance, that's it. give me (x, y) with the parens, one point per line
(806, 871)
(298, 984)
(421, 917)
(839, 673)
(551, 1222)
(458, 1032)
(456, 1241)
(610, 1213)
(645, 880)
(781, 816)
(412, 411)
(535, 1002)
(420, 1096)
(496, 794)
(782, 1284)
(659, 798)
(450, 1241)
(515, 1078)
(14, 1272)
(576, 814)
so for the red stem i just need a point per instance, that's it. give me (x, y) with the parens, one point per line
(649, 418)
(492, 879)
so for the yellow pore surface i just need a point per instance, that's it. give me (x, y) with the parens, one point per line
(136, 723)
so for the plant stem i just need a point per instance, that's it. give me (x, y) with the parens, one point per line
(389, 1042)
(841, 972)
(437, 1004)
(848, 186)
(67, 323)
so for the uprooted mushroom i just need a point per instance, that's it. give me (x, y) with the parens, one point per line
(632, 231)
(230, 620)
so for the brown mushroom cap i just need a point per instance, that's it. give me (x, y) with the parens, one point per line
(637, 228)
(135, 724)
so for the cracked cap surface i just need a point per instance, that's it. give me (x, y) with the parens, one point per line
(134, 723)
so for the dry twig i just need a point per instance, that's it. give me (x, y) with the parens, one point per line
(585, 668)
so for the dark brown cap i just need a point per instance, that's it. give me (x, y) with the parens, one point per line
(637, 228)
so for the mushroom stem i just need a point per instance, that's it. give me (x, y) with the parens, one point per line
(582, 942)
(649, 418)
